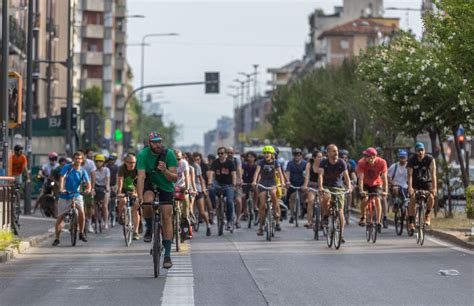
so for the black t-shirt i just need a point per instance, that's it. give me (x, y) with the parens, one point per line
(223, 171)
(268, 170)
(421, 169)
(113, 174)
(333, 174)
(204, 169)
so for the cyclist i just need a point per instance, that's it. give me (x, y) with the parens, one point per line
(201, 190)
(127, 182)
(311, 180)
(238, 190)
(295, 175)
(225, 177)
(248, 171)
(89, 165)
(102, 187)
(72, 177)
(157, 169)
(397, 177)
(46, 174)
(332, 172)
(19, 165)
(265, 174)
(421, 176)
(383, 201)
(351, 167)
(184, 184)
(372, 172)
(113, 167)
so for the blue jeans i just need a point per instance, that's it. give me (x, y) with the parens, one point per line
(228, 193)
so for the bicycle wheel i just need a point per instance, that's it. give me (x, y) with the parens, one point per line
(316, 222)
(129, 227)
(250, 211)
(368, 232)
(73, 226)
(157, 248)
(418, 223)
(297, 209)
(374, 227)
(338, 225)
(398, 220)
(197, 218)
(346, 209)
(220, 217)
(176, 220)
(15, 213)
(330, 234)
(421, 231)
(268, 223)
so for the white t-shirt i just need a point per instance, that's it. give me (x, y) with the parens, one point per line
(47, 169)
(89, 166)
(101, 175)
(182, 167)
(401, 176)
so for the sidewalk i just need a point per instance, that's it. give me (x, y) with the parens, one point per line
(34, 229)
(456, 237)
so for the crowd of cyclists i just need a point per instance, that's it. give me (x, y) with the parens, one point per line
(188, 179)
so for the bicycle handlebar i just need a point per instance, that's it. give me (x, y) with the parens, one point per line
(312, 189)
(268, 188)
(297, 188)
(70, 192)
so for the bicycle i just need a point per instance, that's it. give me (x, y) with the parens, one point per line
(197, 217)
(347, 209)
(98, 200)
(48, 199)
(113, 208)
(316, 214)
(176, 224)
(421, 197)
(157, 248)
(270, 222)
(72, 216)
(15, 209)
(370, 227)
(400, 202)
(335, 223)
(127, 218)
(221, 211)
(297, 204)
(249, 203)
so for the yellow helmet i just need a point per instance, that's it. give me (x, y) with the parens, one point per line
(268, 149)
(99, 157)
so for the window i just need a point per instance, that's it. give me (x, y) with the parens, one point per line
(344, 43)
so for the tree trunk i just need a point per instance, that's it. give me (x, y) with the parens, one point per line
(464, 177)
(432, 132)
(446, 174)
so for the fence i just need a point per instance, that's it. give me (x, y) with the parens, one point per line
(6, 192)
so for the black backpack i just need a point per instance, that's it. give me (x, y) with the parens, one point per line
(160, 157)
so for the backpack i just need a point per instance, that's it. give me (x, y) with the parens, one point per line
(69, 172)
(160, 157)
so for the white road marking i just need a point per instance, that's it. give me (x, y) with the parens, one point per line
(179, 284)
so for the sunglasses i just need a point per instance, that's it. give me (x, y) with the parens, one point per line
(155, 142)
(220, 153)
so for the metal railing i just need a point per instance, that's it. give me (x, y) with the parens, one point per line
(6, 205)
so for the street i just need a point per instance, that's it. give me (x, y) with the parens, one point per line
(242, 269)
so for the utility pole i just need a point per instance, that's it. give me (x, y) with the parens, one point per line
(69, 60)
(255, 91)
(49, 57)
(29, 103)
(4, 83)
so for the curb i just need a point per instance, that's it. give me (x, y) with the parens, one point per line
(442, 235)
(10, 253)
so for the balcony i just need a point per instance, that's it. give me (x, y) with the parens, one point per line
(120, 11)
(93, 5)
(92, 58)
(89, 83)
(119, 37)
(93, 31)
(119, 63)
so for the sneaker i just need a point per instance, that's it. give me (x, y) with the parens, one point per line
(148, 236)
(362, 221)
(228, 226)
(343, 240)
(89, 228)
(384, 222)
(136, 236)
(260, 232)
(237, 225)
(167, 264)
(379, 228)
(278, 227)
(56, 242)
(292, 219)
(427, 220)
(106, 226)
(82, 237)
(208, 232)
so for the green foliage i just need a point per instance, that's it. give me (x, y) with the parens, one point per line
(6, 239)
(470, 201)
(92, 101)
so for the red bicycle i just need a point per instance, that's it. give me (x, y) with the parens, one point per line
(370, 227)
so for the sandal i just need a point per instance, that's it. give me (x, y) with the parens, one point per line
(308, 225)
(260, 232)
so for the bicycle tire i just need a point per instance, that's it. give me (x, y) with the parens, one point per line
(316, 222)
(129, 227)
(398, 220)
(250, 212)
(297, 210)
(374, 225)
(156, 248)
(368, 232)
(422, 223)
(330, 234)
(268, 224)
(220, 217)
(346, 209)
(73, 226)
(338, 226)
(176, 226)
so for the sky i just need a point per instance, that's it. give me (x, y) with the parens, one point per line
(227, 36)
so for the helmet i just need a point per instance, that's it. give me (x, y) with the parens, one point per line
(344, 152)
(53, 155)
(68, 160)
(297, 151)
(370, 152)
(113, 156)
(18, 148)
(62, 159)
(268, 149)
(154, 136)
(99, 157)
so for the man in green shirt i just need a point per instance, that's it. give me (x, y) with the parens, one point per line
(157, 169)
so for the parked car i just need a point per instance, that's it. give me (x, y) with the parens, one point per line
(457, 188)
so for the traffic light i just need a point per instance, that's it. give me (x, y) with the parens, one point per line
(118, 135)
(461, 137)
(212, 82)
(73, 118)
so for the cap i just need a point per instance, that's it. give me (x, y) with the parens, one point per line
(154, 136)
(419, 145)
(297, 151)
(370, 152)
(18, 148)
(402, 153)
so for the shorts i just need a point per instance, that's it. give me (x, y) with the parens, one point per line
(100, 193)
(266, 183)
(246, 189)
(164, 197)
(373, 189)
(199, 196)
(423, 186)
(238, 192)
(313, 185)
(65, 204)
(341, 197)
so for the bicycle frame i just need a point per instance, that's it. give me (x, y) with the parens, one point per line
(297, 204)
(370, 226)
(316, 212)
(420, 210)
(335, 224)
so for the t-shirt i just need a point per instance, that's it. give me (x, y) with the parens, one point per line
(248, 172)
(101, 175)
(268, 170)
(204, 169)
(421, 169)
(146, 160)
(129, 178)
(197, 174)
(183, 166)
(73, 180)
(18, 164)
(113, 174)
(333, 173)
(373, 171)
(89, 166)
(400, 177)
(47, 170)
(296, 172)
(223, 171)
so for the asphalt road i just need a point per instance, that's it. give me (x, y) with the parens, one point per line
(243, 269)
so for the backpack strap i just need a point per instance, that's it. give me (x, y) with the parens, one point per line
(394, 171)
(161, 157)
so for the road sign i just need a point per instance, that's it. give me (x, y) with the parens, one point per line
(108, 129)
(212, 82)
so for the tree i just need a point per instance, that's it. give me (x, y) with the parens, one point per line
(92, 102)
